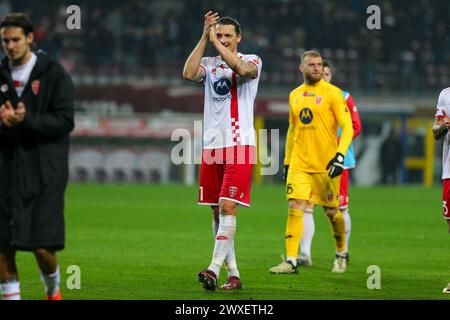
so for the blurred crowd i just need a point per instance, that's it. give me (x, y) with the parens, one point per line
(410, 53)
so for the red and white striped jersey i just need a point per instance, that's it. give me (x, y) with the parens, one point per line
(229, 100)
(443, 105)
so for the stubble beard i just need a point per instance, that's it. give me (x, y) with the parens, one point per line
(311, 80)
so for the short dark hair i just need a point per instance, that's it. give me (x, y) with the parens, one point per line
(230, 21)
(19, 20)
(327, 64)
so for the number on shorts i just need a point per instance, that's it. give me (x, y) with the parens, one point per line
(289, 189)
(445, 208)
(201, 193)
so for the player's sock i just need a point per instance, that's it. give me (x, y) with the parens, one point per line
(230, 263)
(338, 229)
(230, 260)
(51, 282)
(294, 230)
(10, 290)
(224, 241)
(348, 225)
(308, 232)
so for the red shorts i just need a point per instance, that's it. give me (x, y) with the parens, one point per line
(343, 189)
(226, 174)
(446, 197)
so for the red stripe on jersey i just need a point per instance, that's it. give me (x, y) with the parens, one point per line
(235, 109)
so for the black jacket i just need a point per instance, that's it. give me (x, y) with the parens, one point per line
(34, 153)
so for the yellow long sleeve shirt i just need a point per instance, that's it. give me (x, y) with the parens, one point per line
(315, 113)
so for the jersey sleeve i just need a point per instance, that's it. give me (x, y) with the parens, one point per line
(342, 114)
(256, 61)
(289, 145)
(356, 121)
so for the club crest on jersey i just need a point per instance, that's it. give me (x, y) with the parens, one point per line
(318, 100)
(222, 86)
(232, 190)
(330, 196)
(35, 86)
(306, 116)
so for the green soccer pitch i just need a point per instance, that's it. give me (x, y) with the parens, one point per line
(149, 242)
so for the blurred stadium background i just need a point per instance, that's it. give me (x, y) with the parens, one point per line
(127, 59)
(127, 62)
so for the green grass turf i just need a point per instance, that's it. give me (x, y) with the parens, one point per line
(149, 242)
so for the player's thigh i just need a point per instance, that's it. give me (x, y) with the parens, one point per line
(237, 181)
(325, 190)
(298, 185)
(446, 197)
(210, 182)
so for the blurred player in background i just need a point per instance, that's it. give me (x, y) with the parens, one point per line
(231, 83)
(304, 257)
(440, 129)
(36, 116)
(316, 109)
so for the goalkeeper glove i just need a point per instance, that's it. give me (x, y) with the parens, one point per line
(285, 172)
(336, 165)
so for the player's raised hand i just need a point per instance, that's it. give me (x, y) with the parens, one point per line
(212, 35)
(210, 19)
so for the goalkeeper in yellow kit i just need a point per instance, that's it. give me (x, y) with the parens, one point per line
(314, 158)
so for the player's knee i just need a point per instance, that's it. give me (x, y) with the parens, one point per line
(228, 207)
(309, 208)
(42, 252)
(331, 212)
(297, 204)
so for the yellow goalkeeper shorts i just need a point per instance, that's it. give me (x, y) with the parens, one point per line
(317, 188)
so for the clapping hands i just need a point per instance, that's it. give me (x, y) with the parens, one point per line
(10, 116)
